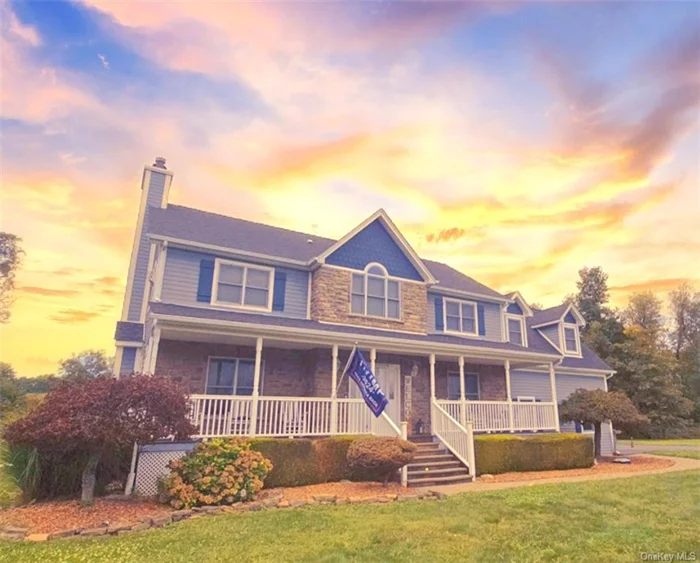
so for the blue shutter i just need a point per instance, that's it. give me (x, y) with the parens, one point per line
(206, 279)
(482, 322)
(278, 294)
(439, 321)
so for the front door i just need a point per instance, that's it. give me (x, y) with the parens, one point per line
(389, 378)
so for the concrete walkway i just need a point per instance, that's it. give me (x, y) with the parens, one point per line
(624, 447)
(681, 464)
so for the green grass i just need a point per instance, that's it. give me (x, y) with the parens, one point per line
(684, 442)
(9, 492)
(690, 454)
(594, 521)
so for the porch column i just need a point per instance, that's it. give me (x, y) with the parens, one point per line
(153, 351)
(462, 394)
(334, 390)
(553, 385)
(373, 360)
(509, 398)
(256, 388)
(432, 377)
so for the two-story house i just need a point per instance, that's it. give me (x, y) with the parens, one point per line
(258, 321)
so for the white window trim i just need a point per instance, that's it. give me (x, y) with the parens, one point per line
(387, 278)
(460, 303)
(525, 399)
(235, 376)
(215, 289)
(562, 339)
(466, 373)
(523, 328)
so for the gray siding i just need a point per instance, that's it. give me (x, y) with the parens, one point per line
(182, 276)
(156, 188)
(492, 317)
(128, 361)
(551, 332)
(530, 384)
(567, 384)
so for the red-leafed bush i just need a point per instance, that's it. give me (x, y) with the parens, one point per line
(101, 416)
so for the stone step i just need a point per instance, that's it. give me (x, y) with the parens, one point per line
(436, 481)
(431, 458)
(434, 472)
(431, 446)
(447, 464)
(420, 438)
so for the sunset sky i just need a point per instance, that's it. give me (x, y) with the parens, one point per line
(516, 142)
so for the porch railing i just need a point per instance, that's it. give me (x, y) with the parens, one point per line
(534, 416)
(456, 438)
(493, 416)
(215, 415)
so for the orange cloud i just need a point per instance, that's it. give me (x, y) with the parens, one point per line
(73, 316)
(661, 285)
(47, 292)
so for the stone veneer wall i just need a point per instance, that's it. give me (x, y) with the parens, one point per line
(330, 301)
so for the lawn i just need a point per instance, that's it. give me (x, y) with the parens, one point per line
(690, 454)
(594, 521)
(683, 442)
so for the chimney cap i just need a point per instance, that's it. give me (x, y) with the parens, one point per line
(159, 163)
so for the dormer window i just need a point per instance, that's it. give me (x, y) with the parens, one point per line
(571, 344)
(373, 294)
(516, 330)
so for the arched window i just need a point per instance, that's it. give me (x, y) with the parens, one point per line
(373, 294)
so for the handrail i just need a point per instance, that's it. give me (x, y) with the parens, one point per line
(463, 451)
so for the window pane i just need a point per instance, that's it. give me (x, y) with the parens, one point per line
(257, 278)
(231, 274)
(375, 286)
(378, 270)
(220, 377)
(358, 284)
(514, 332)
(375, 306)
(452, 308)
(358, 304)
(452, 387)
(468, 311)
(469, 325)
(256, 297)
(229, 293)
(452, 323)
(394, 312)
(246, 376)
(471, 383)
(570, 339)
(393, 289)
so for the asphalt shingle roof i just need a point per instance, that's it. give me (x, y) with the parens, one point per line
(548, 316)
(193, 225)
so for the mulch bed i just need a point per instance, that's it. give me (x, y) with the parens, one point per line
(47, 517)
(605, 465)
(341, 490)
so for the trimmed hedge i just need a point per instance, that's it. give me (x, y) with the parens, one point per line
(503, 453)
(305, 461)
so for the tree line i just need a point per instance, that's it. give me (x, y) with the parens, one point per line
(656, 356)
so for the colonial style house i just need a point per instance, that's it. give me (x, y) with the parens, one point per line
(258, 321)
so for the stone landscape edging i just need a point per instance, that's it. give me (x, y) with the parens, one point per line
(147, 522)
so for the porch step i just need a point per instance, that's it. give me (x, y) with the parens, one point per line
(434, 465)
(421, 439)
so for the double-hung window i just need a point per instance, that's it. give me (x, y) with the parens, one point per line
(242, 285)
(373, 294)
(571, 340)
(230, 376)
(516, 330)
(471, 386)
(460, 316)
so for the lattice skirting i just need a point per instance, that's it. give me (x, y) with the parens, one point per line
(153, 462)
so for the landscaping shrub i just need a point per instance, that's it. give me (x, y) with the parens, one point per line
(379, 456)
(303, 461)
(504, 453)
(221, 471)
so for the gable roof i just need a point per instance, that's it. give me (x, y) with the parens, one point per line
(515, 296)
(187, 225)
(381, 216)
(556, 314)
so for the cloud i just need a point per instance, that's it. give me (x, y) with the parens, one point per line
(660, 285)
(48, 292)
(103, 60)
(73, 316)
